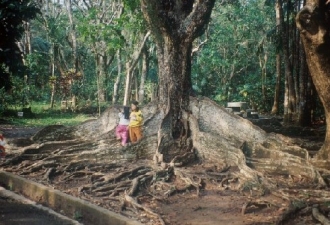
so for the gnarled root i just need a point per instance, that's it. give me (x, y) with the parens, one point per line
(130, 201)
(320, 217)
(257, 203)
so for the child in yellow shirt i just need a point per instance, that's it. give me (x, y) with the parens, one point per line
(135, 123)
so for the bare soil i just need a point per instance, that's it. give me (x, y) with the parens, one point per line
(214, 205)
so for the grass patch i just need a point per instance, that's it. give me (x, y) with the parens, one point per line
(51, 119)
(43, 116)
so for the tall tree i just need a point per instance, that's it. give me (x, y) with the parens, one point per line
(314, 24)
(174, 25)
(73, 41)
(98, 28)
(275, 107)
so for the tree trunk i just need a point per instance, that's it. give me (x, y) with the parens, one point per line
(128, 83)
(290, 97)
(144, 71)
(130, 66)
(278, 59)
(101, 74)
(277, 85)
(117, 83)
(52, 100)
(314, 25)
(303, 111)
(73, 35)
(174, 25)
(136, 85)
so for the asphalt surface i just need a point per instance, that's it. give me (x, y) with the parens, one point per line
(15, 212)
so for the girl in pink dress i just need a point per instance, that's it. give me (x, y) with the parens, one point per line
(122, 127)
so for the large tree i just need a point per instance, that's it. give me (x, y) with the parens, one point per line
(314, 24)
(254, 161)
(174, 25)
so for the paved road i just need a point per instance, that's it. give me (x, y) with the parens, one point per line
(13, 212)
(16, 210)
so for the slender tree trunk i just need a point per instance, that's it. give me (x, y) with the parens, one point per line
(286, 108)
(136, 85)
(128, 83)
(130, 66)
(101, 75)
(304, 115)
(278, 59)
(144, 71)
(73, 35)
(116, 85)
(52, 99)
(277, 85)
(28, 48)
(314, 25)
(290, 92)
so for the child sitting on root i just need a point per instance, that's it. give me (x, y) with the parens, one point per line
(122, 127)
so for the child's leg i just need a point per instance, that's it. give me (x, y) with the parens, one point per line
(118, 132)
(138, 133)
(124, 136)
(132, 135)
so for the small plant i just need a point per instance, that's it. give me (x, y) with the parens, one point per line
(10, 187)
(77, 215)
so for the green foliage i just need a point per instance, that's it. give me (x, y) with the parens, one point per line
(13, 13)
(227, 68)
(92, 29)
(18, 97)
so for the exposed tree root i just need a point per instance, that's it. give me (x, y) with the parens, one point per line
(75, 174)
(182, 160)
(136, 182)
(49, 174)
(130, 201)
(257, 204)
(293, 208)
(110, 178)
(320, 217)
(39, 166)
(231, 153)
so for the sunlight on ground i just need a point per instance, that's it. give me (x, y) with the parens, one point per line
(53, 119)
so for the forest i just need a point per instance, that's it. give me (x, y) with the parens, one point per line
(100, 51)
(183, 62)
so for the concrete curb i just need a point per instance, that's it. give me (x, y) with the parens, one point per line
(59, 201)
(19, 198)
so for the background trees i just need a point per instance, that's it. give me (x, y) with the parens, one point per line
(14, 16)
(251, 52)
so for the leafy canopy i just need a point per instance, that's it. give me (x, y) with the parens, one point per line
(13, 15)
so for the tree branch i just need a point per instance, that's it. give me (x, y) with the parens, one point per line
(194, 24)
(137, 54)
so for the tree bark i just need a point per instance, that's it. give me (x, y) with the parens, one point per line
(144, 71)
(277, 85)
(116, 85)
(73, 35)
(303, 111)
(278, 59)
(174, 25)
(290, 97)
(101, 76)
(130, 66)
(314, 25)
